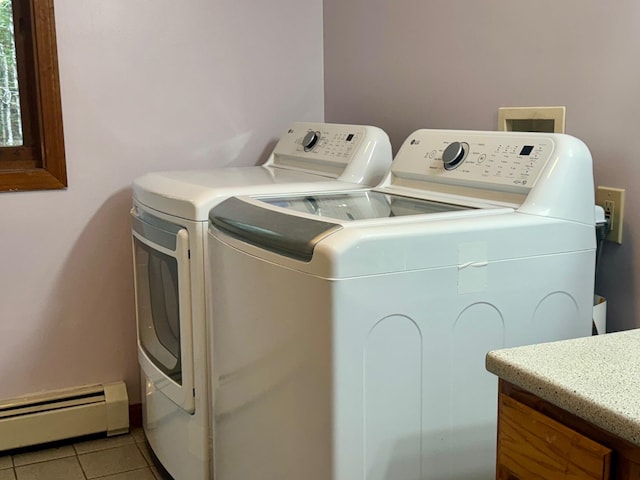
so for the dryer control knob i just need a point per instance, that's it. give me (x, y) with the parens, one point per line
(454, 154)
(309, 141)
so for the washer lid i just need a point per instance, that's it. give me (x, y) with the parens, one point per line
(285, 231)
(359, 205)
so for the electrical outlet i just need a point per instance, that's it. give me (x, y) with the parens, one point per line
(612, 200)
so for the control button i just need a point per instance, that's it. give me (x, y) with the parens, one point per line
(454, 154)
(482, 158)
(310, 139)
(432, 153)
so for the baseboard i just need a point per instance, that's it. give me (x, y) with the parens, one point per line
(62, 414)
(135, 416)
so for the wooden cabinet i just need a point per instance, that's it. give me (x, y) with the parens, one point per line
(537, 440)
(532, 445)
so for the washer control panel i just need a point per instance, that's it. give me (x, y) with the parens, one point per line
(502, 161)
(327, 142)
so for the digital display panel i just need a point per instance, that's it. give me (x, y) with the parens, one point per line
(349, 137)
(526, 150)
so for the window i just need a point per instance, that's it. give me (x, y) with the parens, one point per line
(31, 136)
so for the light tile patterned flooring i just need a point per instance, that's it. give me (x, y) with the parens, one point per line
(123, 457)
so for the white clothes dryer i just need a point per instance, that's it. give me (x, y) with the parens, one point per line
(169, 224)
(361, 352)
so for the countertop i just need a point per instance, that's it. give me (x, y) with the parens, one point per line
(596, 378)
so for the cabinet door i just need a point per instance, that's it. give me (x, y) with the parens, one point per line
(532, 446)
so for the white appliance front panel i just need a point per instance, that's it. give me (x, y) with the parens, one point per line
(380, 376)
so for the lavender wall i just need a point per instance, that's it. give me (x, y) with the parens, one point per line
(411, 64)
(146, 85)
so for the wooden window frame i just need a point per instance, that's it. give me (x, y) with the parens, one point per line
(40, 163)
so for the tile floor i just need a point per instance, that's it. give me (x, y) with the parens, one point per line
(123, 457)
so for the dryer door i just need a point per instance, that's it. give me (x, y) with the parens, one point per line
(163, 306)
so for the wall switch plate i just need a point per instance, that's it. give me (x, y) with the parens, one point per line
(531, 119)
(612, 200)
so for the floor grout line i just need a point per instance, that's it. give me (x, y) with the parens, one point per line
(84, 474)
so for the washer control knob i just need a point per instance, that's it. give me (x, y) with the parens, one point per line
(309, 141)
(454, 154)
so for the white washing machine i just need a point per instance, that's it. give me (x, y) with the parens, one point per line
(169, 224)
(350, 328)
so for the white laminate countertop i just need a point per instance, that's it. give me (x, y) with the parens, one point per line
(596, 378)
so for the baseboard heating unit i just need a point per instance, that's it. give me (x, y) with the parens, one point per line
(61, 414)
